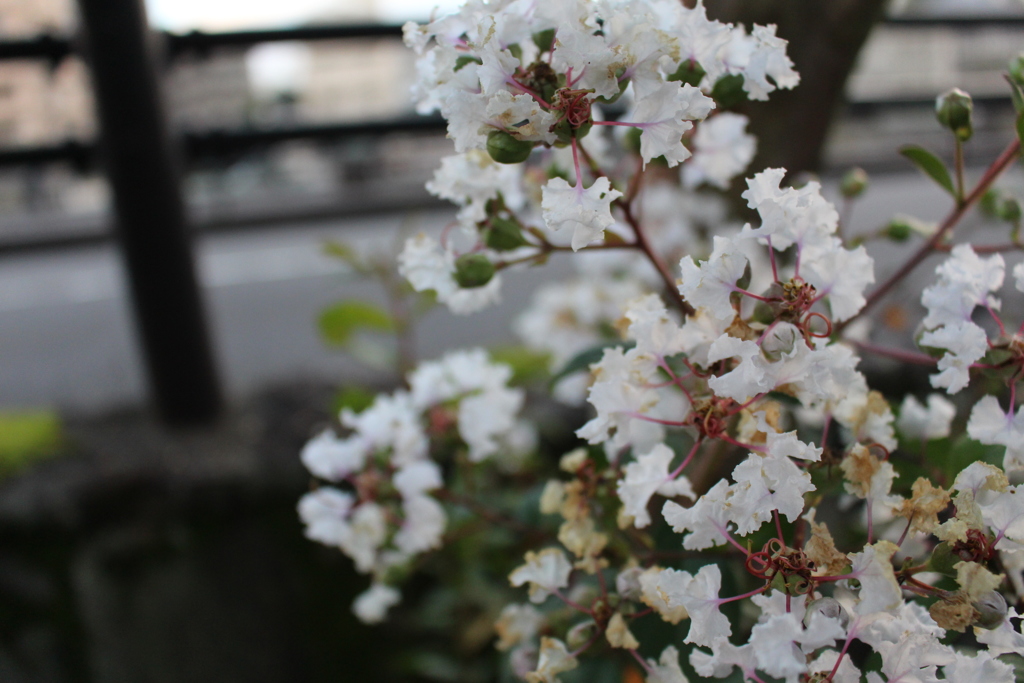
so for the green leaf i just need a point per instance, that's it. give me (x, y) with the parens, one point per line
(931, 165)
(26, 437)
(355, 398)
(527, 365)
(585, 359)
(345, 254)
(339, 322)
(1020, 125)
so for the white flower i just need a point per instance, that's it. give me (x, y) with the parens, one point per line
(965, 281)
(707, 520)
(666, 669)
(554, 659)
(417, 478)
(965, 344)
(764, 484)
(390, 422)
(699, 595)
(647, 476)
(423, 527)
(841, 274)
(372, 605)
(990, 424)
(722, 149)
(586, 212)
(546, 572)
(768, 59)
(664, 115)
(1018, 277)
(472, 179)
(790, 215)
(331, 458)
(981, 668)
(1004, 639)
(710, 285)
(723, 658)
(775, 646)
(331, 519)
(516, 624)
(879, 591)
(925, 424)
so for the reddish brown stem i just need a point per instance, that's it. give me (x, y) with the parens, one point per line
(645, 246)
(998, 166)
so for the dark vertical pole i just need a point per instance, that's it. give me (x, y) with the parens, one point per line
(151, 219)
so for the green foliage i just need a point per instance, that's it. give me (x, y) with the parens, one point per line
(340, 322)
(355, 398)
(527, 366)
(930, 165)
(26, 437)
(688, 73)
(728, 91)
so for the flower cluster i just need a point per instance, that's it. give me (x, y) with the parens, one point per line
(386, 515)
(731, 429)
(522, 85)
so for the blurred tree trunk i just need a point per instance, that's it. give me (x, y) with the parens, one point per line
(824, 37)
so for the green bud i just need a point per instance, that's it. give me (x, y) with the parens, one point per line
(473, 270)
(898, 230)
(566, 132)
(507, 149)
(728, 91)
(854, 183)
(830, 607)
(943, 559)
(689, 73)
(504, 234)
(953, 108)
(1008, 209)
(544, 39)
(992, 609)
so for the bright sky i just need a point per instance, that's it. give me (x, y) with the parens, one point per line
(226, 15)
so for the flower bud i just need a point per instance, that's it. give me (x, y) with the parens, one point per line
(507, 149)
(504, 234)
(953, 108)
(898, 230)
(1008, 209)
(854, 183)
(992, 610)
(830, 607)
(473, 270)
(943, 559)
